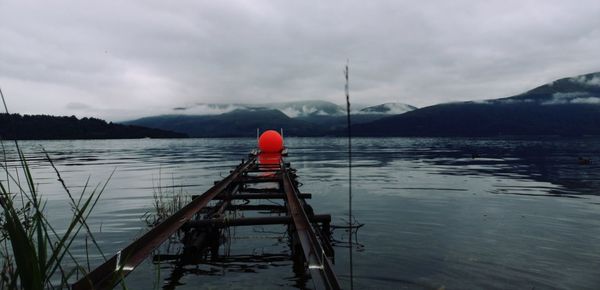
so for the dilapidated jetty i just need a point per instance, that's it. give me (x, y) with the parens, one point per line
(264, 175)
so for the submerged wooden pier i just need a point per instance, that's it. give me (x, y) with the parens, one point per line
(262, 176)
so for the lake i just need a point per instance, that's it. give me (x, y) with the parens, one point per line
(438, 213)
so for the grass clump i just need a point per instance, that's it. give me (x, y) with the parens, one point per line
(33, 253)
(167, 200)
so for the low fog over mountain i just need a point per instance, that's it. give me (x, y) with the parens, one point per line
(566, 107)
(305, 118)
(294, 109)
(388, 108)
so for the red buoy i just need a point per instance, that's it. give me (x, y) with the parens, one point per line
(270, 142)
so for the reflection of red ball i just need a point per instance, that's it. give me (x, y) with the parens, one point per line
(270, 142)
(269, 158)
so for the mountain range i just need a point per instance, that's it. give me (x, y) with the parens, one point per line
(566, 107)
(293, 109)
(306, 118)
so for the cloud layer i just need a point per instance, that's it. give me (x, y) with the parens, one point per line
(125, 59)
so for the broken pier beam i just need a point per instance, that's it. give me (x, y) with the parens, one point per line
(253, 221)
(258, 196)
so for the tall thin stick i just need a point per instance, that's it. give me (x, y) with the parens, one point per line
(347, 88)
(4, 101)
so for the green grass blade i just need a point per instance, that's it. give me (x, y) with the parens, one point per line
(23, 249)
(42, 244)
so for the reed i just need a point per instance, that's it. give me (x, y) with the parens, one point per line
(167, 200)
(34, 255)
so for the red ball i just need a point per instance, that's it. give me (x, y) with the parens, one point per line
(270, 142)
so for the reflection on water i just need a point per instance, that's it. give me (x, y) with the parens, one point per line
(454, 213)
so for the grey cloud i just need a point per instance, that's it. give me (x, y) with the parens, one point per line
(78, 106)
(133, 58)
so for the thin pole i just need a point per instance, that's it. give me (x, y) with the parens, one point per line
(347, 88)
(4, 101)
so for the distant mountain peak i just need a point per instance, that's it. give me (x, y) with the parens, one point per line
(583, 89)
(566, 107)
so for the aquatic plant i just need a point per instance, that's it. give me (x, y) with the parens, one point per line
(34, 254)
(166, 201)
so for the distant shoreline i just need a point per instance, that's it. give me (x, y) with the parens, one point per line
(506, 137)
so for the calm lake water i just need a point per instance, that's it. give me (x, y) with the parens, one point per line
(522, 214)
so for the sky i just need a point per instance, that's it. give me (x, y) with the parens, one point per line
(120, 60)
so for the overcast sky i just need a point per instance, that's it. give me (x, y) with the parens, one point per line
(125, 59)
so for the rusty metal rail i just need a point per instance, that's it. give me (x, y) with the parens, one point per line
(203, 230)
(319, 265)
(107, 275)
